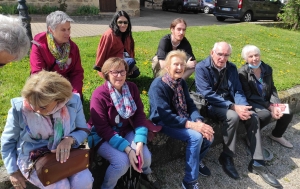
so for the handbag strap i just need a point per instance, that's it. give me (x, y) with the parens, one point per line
(219, 84)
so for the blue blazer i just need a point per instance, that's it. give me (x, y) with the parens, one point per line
(206, 84)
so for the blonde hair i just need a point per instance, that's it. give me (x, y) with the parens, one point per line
(111, 63)
(45, 87)
(175, 53)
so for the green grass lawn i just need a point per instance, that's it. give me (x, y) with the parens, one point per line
(279, 48)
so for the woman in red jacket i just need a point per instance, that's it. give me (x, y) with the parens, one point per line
(117, 41)
(55, 51)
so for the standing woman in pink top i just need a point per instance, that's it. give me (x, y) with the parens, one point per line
(117, 41)
(53, 50)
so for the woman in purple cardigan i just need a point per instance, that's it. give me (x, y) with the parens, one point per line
(112, 105)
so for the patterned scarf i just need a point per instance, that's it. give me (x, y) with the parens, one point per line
(61, 54)
(40, 127)
(124, 102)
(178, 98)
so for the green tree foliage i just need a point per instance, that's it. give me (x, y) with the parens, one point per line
(291, 14)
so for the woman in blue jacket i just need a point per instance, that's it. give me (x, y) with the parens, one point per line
(47, 115)
(173, 109)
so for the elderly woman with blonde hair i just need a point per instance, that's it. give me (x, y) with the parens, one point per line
(47, 116)
(173, 109)
(258, 85)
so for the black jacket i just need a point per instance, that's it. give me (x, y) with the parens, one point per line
(248, 82)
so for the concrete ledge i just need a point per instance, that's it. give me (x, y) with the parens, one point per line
(165, 149)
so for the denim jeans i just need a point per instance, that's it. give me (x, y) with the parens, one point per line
(119, 162)
(197, 147)
(131, 63)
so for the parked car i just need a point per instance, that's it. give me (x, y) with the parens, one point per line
(247, 10)
(207, 6)
(181, 5)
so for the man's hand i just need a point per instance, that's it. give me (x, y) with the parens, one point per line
(243, 111)
(206, 130)
(191, 63)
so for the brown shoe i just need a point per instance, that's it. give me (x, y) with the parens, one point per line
(282, 141)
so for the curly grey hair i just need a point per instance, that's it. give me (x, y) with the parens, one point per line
(56, 18)
(249, 48)
(13, 37)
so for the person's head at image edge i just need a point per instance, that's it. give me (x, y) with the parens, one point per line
(121, 24)
(14, 42)
(114, 70)
(44, 91)
(175, 64)
(178, 29)
(59, 26)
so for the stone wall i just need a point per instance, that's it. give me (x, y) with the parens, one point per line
(155, 5)
(132, 7)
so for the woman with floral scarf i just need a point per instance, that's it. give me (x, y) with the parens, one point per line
(173, 109)
(113, 106)
(53, 50)
(48, 117)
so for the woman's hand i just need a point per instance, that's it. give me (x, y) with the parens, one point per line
(139, 152)
(63, 149)
(275, 112)
(133, 158)
(191, 63)
(18, 180)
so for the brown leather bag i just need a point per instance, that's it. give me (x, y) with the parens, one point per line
(49, 170)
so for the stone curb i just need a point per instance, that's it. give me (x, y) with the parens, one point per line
(159, 147)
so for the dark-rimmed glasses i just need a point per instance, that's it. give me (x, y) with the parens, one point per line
(116, 73)
(122, 22)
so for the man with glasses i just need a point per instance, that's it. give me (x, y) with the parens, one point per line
(14, 43)
(217, 79)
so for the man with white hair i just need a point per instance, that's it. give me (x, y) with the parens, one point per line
(14, 42)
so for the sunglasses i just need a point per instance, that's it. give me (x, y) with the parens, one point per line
(123, 22)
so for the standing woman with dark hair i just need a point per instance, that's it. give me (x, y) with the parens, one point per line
(117, 41)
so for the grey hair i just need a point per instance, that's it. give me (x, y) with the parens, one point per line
(56, 18)
(13, 37)
(249, 48)
(219, 43)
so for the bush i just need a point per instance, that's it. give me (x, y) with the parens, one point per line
(86, 10)
(291, 14)
(9, 9)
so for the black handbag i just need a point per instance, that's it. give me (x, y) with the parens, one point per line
(199, 101)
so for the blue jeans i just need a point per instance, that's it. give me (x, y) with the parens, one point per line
(197, 147)
(131, 63)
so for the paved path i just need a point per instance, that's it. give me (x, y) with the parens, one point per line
(148, 21)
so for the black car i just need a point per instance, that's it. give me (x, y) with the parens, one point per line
(247, 10)
(207, 6)
(181, 5)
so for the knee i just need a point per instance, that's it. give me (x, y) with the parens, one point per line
(83, 179)
(196, 138)
(121, 166)
(234, 119)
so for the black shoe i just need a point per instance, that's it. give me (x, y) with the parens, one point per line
(228, 166)
(203, 170)
(152, 180)
(263, 172)
(193, 185)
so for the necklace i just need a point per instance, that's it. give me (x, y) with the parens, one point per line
(175, 45)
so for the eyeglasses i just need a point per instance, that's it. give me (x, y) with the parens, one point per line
(123, 22)
(116, 73)
(222, 55)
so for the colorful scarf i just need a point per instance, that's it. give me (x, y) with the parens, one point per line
(61, 54)
(178, 98)
(41, 127)
(124, 102)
